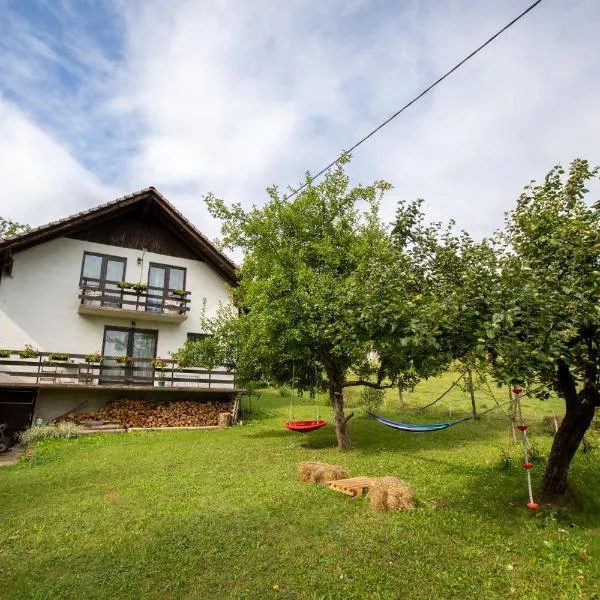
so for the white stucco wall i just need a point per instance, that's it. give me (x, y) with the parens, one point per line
(38, 303)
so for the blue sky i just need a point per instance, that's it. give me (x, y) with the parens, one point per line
(99, 98)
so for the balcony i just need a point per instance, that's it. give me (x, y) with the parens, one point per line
(138, 301)
(47, 369)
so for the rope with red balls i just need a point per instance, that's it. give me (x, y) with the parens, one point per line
(522, 427)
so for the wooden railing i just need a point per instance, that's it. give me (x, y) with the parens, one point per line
(74, 369)
(101, 292)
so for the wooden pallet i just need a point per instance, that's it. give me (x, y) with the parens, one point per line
(355, 486)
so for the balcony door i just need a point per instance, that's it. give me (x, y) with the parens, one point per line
(161, 279)
(135, 344)
(98, 271)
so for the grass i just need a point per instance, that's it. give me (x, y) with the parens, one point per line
(219, 514)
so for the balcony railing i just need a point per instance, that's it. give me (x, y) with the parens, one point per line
(79, 369)
(100, 295)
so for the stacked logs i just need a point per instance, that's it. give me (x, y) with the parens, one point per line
(140, 413)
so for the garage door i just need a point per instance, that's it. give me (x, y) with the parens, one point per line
(16, 410)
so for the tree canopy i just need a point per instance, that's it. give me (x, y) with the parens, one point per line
(8, 228)
(325, 286)
(541, 325)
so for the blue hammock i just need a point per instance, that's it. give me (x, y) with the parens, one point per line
(413, 427)
(417, 428)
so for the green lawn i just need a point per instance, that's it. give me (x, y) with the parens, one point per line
(219, 514)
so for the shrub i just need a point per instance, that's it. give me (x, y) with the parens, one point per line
(351, 397)
(372, 398)
(49, 431)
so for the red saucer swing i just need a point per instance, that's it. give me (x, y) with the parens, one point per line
(303, 426)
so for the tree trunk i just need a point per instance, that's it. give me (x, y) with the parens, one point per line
(401, 397)
(472, 392)
(566, 441)
(340, 420)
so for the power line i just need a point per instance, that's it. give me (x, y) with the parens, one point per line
(416, 98)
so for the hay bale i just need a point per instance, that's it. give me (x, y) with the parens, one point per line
(390, 493)
(317, 472)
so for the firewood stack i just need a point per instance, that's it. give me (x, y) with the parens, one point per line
(140, 413)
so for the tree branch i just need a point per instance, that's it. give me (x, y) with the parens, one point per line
(370, 384)
(348, 417)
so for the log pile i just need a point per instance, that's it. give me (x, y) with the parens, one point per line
(140, 413)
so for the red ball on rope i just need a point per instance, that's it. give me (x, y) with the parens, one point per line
(527, 466)
(517, 390)
(522, 427)
(532, 505)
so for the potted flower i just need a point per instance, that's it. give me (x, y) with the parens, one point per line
(178, 292)
(59, 357)
(5, 353)
(29, 352)
(160, 365)
(139, 287)
(122, 359)
(94, 357)
(124, 285)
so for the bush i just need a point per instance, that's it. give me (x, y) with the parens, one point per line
(372, 398)
(284, 391)
(50, 431)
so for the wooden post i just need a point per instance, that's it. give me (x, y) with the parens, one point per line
(225, 419)
(472, 391)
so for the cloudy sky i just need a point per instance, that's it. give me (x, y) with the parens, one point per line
(99, 98)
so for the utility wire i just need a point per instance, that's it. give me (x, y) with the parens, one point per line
(416, 98)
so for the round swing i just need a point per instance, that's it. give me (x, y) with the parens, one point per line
(303, 426)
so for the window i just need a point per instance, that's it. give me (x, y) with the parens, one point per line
(162, 280)
(196, 337)
(103, 272)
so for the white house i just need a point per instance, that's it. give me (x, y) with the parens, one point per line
(91, 303)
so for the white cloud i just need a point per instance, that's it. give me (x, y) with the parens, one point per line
(233, 96)
(41, 181)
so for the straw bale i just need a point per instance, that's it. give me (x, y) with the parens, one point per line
(390, 493)
(317, 472)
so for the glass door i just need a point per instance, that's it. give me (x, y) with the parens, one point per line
(156, 288)
(161, 279)
(143, 346)
(116, 344)
(133, 344)
(114, 271)
(97, 270)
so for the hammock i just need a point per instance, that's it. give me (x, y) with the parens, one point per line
(412, 427)
(418, 428)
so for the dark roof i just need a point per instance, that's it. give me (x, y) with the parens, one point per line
(188, 233)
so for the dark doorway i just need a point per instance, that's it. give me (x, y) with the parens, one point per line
(16, 410)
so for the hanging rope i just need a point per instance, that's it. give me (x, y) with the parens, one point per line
(517, 391)
(292, 392)
(438, 399)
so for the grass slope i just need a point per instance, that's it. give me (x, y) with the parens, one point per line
(219, 514)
